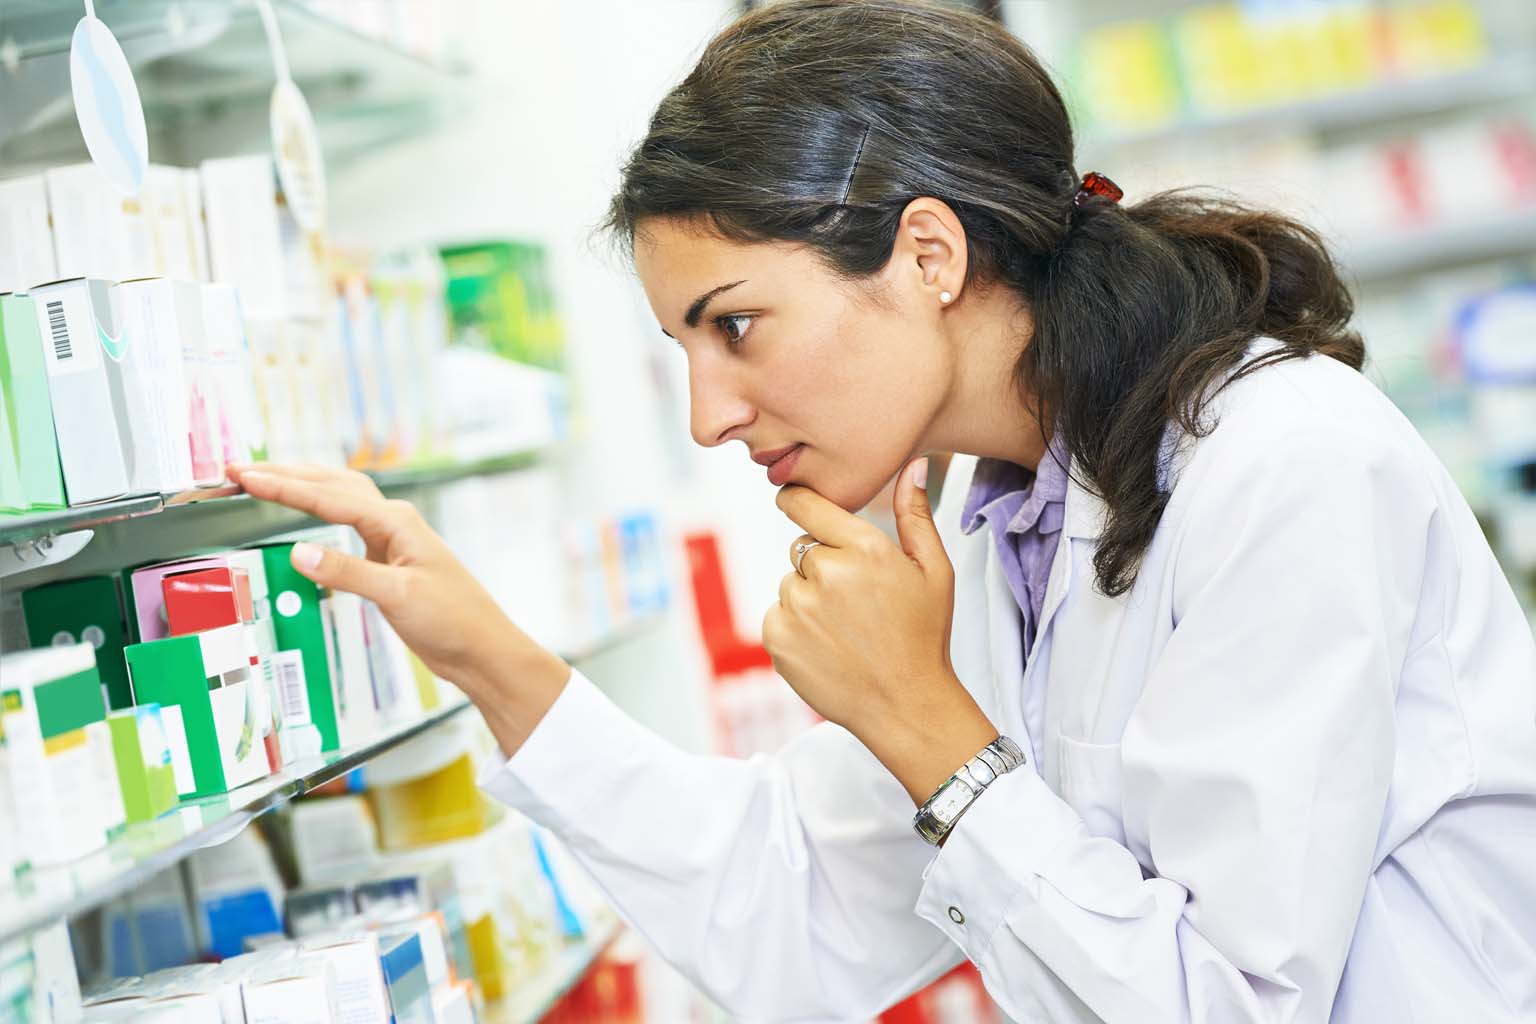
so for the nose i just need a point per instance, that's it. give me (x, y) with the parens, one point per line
(716, 405)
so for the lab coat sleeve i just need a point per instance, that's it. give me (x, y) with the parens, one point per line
(782, 885)
(1253, 772)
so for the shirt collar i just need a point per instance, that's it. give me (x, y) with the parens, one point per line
(1027, 500)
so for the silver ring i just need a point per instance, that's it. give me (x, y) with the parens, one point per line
(801, 548)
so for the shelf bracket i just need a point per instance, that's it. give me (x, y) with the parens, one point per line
(50, 549)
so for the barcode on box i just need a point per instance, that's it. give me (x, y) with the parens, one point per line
(292, 693)
(58, 330)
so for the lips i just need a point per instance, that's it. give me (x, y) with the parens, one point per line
(783, 467)
(770, 457)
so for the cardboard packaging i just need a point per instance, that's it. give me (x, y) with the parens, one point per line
(244, 240)
(229, 355)
(143, 755)
(302, 623)
(14, 856)
(173, 218)
(333, 839)
(202, 684)
(83, 351)
(276, 392)
(28, 407)
(60, 752)
(26, 239)
(405, 974)
(84, 610)
(163, 319)
(198, 600)
(97, 231)
(284, 670)
(12, 497)
(360, 990)
(151, 928)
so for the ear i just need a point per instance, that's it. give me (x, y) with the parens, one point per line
(930, 255)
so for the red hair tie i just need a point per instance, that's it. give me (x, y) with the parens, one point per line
(1096, 184)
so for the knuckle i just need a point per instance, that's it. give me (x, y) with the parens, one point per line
(401, 511)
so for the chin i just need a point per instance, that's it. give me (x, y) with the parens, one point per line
(849, 495)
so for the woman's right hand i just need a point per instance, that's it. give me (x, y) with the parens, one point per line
(439, 609)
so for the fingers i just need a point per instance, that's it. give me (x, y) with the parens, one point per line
(824, 520)
(803, 564)
(382, 584)
(914, 518)
(305, 471)
(333, 502)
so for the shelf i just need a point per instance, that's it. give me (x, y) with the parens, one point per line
(238, 515)
(143, 850)
(147, 848)
(205, 77)
(538, 995)
(1403, 253)
(1506, 77)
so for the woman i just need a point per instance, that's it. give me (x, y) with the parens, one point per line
(1245, 706)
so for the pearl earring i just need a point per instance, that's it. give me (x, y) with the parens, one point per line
(945, 296)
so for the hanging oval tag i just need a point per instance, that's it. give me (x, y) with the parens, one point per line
(296, 148)
(107, 105)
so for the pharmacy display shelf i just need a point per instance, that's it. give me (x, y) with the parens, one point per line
(530, 1001)
(1399, 254)
(1501, 78)
(152, 526)
(205, 77)
(142, 850)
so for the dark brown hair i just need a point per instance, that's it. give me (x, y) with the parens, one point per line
(818, 121)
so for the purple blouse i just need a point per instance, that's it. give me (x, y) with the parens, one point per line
(1025, 512)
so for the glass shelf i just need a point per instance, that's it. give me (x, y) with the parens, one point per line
(533, 999)
(1502, 78)
(205, 78)
(229, 504)
(144, 849)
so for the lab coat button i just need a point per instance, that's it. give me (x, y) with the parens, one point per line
(956, 916)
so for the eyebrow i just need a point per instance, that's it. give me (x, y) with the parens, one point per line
(695, 311)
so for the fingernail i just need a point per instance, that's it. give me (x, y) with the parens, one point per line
(920, 473)
(306, 556)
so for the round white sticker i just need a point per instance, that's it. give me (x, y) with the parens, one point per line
(94, 636)
(63, 638)
(107, 105)
(288, 604)
(296, 147)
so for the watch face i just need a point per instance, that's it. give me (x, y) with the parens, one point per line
(950, 801)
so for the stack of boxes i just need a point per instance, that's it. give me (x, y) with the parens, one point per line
(185, 679)
(140, 353)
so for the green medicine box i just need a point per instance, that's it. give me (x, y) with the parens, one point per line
(298, 618)
(143, 754)
(201, 682)
(60, 753)
(27, 405)
(85, 610)
(12, 497)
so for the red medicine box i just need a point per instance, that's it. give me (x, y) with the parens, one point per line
(205, 599)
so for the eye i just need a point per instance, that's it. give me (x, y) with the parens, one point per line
(735, 326)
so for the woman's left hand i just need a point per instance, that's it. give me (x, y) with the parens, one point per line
(863, 636)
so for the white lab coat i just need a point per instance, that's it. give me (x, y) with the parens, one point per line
(1291, 776)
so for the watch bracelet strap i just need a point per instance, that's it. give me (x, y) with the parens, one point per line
(997, 758)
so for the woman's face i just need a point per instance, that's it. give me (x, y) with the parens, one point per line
(840, 382)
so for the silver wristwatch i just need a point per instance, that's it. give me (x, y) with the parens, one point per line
(940, 812)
